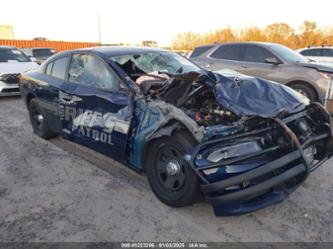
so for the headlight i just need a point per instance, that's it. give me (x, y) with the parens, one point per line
(230, 151)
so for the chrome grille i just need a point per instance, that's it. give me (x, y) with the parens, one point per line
(10, 78)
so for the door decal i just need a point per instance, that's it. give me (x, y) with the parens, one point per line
(92, 124)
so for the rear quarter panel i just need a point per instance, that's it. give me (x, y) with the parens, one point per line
(45, 89)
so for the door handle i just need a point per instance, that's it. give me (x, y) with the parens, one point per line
(243, 66)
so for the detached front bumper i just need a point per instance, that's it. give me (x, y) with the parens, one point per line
(259, 179)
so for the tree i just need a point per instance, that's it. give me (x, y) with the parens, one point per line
(280, 33)
(225, 35)
(307, 35)
(310, 35)
(252, 34)
(186, 41)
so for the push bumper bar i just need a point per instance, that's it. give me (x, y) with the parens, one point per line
(278, 177)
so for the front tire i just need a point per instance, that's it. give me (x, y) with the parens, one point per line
(171, 178)
(38, 120)
(305, 90)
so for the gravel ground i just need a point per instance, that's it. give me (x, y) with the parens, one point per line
(57, 191)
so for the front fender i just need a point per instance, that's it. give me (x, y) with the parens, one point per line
(154, 119)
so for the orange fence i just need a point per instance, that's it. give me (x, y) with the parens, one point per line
(56, 45)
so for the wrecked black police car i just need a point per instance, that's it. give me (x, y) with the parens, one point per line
(241, 142)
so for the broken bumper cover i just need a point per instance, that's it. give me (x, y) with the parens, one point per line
(268, 192)
(259, 182)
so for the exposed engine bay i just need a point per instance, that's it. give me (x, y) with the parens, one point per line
(205, 110)
(195, 99)
(186, 91)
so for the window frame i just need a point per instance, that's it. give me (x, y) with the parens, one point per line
(227, 45)
(52, 62)
(108, 67)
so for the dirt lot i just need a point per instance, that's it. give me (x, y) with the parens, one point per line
(56, 191)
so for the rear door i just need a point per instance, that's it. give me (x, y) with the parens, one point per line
(97, 106)
(253, 62)
(47, 90)
(225, 57)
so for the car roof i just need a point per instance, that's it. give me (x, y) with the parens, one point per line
(110, 51)
(318, 47)
(106, 51)
(236, 43)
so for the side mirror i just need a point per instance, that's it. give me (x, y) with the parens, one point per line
(33, 59)
(272, 60)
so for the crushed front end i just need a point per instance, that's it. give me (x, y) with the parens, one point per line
(260, 162)
(259, 140)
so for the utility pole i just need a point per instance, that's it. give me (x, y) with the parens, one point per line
(99, 27)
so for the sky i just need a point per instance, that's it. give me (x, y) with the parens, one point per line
(131, 21)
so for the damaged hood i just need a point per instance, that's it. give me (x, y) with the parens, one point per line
(246, 95)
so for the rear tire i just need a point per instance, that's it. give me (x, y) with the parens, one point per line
(38, 120)
(305, 90)
(171, 178)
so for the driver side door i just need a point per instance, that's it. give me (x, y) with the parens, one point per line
(97, 106)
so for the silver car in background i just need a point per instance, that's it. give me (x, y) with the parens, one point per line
(269, 61)
(12, 63)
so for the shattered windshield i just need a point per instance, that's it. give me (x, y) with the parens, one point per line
(150, 62)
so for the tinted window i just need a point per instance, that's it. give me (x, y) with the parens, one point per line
(227, 52)
(12, 55)
(59, 68)
(199, 51)
(90, 71)
(327, 52)
(43, 53)
(256, 54)
(312, 52)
